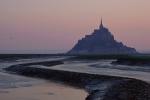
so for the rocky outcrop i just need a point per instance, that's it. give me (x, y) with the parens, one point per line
(101, 41)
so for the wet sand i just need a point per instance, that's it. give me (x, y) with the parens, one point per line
(43, 91)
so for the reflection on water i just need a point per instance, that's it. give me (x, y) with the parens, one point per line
(15, 87)
(44, 91)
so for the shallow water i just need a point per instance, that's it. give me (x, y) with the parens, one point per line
(15, 87)
(43, 91)
(104, 67)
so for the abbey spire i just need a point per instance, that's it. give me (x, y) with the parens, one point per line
(101, 25)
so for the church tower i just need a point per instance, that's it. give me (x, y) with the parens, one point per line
(101, 25)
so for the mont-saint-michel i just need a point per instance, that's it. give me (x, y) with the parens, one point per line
(101, 41)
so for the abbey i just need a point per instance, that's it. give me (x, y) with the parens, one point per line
(101, 41)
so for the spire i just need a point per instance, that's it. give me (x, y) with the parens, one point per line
(101, 25)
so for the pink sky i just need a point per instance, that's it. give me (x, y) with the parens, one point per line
(49, 25)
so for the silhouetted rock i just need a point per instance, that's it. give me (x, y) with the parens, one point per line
(101, 41)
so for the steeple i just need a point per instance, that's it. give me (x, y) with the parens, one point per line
(101, 25)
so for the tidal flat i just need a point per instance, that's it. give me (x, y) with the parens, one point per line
(87, 79)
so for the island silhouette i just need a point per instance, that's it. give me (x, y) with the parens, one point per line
(101, 41)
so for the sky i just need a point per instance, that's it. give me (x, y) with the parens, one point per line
(52, 26)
